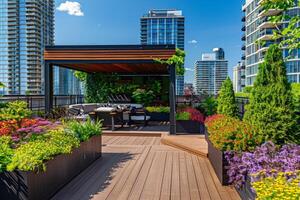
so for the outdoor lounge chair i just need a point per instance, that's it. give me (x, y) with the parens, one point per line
(138, 115)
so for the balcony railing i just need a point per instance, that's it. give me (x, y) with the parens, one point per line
(37, 102)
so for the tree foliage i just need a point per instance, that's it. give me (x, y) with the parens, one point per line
(178, 60)
(289, 35)
(270, 109)
(226, 100)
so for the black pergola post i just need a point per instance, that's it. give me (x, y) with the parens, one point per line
(48, 87)
(172, 99)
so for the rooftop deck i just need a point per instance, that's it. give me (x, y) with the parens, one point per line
(139, 167)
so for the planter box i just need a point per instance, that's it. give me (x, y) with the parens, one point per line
(218, 162)
(59, 171)
(190, 127)
(159, 116)
(245, 192)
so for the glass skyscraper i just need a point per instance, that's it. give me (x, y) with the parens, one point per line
(210, 72)
(164, 27)
(256, 27)
(26, 27)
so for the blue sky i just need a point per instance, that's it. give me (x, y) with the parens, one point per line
(211, 23)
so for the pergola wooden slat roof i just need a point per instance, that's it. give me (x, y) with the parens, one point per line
(122, 59)
(112, 59)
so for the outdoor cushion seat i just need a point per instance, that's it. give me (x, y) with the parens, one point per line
(106, 109)
(140, 118)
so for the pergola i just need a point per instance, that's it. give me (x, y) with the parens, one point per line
(121, 59)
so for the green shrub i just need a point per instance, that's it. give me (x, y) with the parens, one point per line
(85, 130)
(226, 100)
(209, 106)
(242, 94)
(159, 109)
(6, 152)
(183, 116)
(228, 133)
(15, 110)
(270, 109)
(143, 96)
(32, 155)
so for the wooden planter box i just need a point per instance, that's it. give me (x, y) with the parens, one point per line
(159, 116)
(218, 161)
(245, 192)
(61, 170)
(189, 127)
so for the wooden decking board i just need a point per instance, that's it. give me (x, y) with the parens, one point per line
(214, 193)
(193, 185)
(140, 168)
(127, 188)
(184, 184)
(203, 190)
(175, 185)
(118, 186)
(167, 179)
(141, 179)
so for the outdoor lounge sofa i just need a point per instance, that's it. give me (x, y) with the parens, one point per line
(110, 114)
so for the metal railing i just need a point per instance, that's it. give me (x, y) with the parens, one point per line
(37, 102)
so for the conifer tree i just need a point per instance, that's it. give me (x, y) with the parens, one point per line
(270, 109)
(226, 99)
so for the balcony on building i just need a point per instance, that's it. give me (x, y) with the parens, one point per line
(243, 57)
(243, 28)
(243, 37)
(271, 12)
(244, 19)
(243, 47)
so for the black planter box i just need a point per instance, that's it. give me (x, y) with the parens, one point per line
(189, 127)
(218, 162)
(159, 116)
(245, 191)
(61, 170)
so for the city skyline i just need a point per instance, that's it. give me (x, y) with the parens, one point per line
(102, 23)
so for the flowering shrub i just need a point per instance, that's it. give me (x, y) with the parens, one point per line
(284, 185)
(190, 114)
(228, 133)
(267, 158)
(31, 156)
(195, 115)
(8, 127)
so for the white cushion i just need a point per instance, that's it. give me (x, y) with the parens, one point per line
(105, 109)
(137, 106)
(140, 118)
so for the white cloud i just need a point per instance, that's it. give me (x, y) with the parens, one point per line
(189, 69)
(71, 7)
(193, 42)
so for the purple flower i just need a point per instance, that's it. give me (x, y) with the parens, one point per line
(265, 158)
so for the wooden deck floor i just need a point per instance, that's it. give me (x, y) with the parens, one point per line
(135, 168)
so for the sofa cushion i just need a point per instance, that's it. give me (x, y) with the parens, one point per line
(87, 108)
(106, 109)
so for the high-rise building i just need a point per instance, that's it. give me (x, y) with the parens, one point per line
(257, 27)
(239, 77)
(66, 83)
(26, 27)
(164, 27)
(210, 72)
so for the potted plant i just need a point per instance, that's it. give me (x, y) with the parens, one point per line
(227, 134)
(190, 120)
(159, 113)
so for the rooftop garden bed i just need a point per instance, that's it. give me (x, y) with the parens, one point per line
(33, 149)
